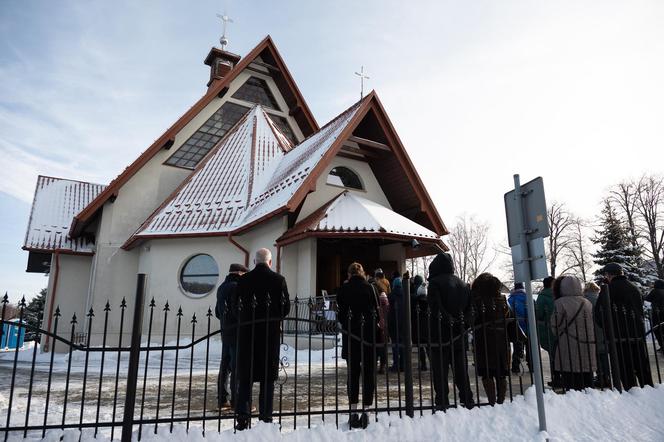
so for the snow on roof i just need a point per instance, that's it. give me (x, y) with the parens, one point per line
(349, 212)
(251, 173)
(55, 203)
(215, 196)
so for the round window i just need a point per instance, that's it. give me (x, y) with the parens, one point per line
(199, 275)
(344, 177)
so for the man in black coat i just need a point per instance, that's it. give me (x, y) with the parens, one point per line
(450, 303)
(263, 302)
(656, 300)
(358, 314)
(626, 307)
(226, 313)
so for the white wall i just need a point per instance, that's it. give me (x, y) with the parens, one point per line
(325, 192)
(72, 287)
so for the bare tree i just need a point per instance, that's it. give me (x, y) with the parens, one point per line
(624, 195)
(578, 253)
(560, 224)
(469, 245)
(650, 208)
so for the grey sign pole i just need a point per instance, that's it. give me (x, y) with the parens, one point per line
(532, 324)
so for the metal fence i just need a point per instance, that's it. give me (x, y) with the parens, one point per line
(140, 382)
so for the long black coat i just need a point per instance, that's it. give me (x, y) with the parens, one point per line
(626, 307)
(356, 300)
(254, 331)
(450, 297)
(491, 343)
(226, 308)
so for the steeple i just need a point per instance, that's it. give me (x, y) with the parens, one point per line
(221, 61)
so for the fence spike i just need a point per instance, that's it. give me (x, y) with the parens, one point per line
(166, 307)
(152, 303)
(91, 313)
(179, 311)
(5, 299)
(107, 308)
(73, 319)
(123, 304)
(209, 312)
(57, 312)
(21, 303)
(193, 319)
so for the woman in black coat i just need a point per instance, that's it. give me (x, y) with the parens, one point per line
(492, 350)
(358, 314)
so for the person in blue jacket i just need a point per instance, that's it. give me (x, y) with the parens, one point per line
(517, 302)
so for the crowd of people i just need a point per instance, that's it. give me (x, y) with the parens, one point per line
(594, 334)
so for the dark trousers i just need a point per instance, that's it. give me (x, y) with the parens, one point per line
(227, 368)
(265, 400)
(576, 381)
(381, 353)
(364, 365)
(440, 364)
(422, 357)
(634, 364)
(517, 355)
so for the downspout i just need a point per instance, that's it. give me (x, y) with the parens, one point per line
(278, 258)
(52, 296)
(245, 251)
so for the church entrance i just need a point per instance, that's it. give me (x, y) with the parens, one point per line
(335, 255)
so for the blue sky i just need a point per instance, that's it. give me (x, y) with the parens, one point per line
(569, 90)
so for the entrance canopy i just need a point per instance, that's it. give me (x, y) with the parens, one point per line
(349, 215)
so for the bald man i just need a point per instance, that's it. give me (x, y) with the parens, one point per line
(261, 333)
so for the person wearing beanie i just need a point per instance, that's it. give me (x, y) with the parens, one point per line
(656, 300)
(225, 311)
(622, 300)
(450, 305)
(572, 324)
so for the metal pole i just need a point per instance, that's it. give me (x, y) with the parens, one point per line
(134, 355)
(407, 345)
(532, 325)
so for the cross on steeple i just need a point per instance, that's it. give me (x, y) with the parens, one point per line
(225, 19)
(362, 76)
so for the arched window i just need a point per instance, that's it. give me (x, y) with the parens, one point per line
(344, 177)
(199, 275)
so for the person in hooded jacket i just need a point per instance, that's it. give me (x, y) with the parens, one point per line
(450, 303)
(418, 314)
(394, 324)
(492, 350)
(517, 302)
(357, 306)
(575, 358)
(226, 311)
(656, 300)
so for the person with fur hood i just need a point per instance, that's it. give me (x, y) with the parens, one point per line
(572, 323)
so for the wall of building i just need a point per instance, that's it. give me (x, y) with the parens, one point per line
(325, 192)
(72, 287)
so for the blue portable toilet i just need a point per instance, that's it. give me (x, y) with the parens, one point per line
(12, 335)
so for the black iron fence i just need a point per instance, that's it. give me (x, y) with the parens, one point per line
(422, 360)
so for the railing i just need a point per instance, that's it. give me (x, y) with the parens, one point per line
(93, 387)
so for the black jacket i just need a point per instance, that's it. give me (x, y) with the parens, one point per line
(260, 327)
(656, 298)
(626, 308)
(357, 300)
(226, 308)
(448, 296)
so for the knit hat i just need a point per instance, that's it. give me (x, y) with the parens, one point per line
(234, 268)
(612, 268)
(570, 286)
(519, 286)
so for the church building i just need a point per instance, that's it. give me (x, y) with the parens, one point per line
(246, 167)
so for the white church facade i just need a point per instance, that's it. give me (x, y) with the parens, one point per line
(246, 167)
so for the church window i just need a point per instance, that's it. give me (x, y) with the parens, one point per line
(256, 90)
(344, 177)
(199, 275)
(199, 144)
(284, 127)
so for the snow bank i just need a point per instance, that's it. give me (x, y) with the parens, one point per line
(575, 416)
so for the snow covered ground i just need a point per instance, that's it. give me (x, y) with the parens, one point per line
(575, 416)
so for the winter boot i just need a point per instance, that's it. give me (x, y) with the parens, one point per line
(502, 390)
(354, 421)
(489, 389)
(364, 421)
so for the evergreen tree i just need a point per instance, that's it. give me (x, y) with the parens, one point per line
(615, 245)
(33, 314)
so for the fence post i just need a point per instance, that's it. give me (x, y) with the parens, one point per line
(134, 356)
(610, 337)
(408, 345)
